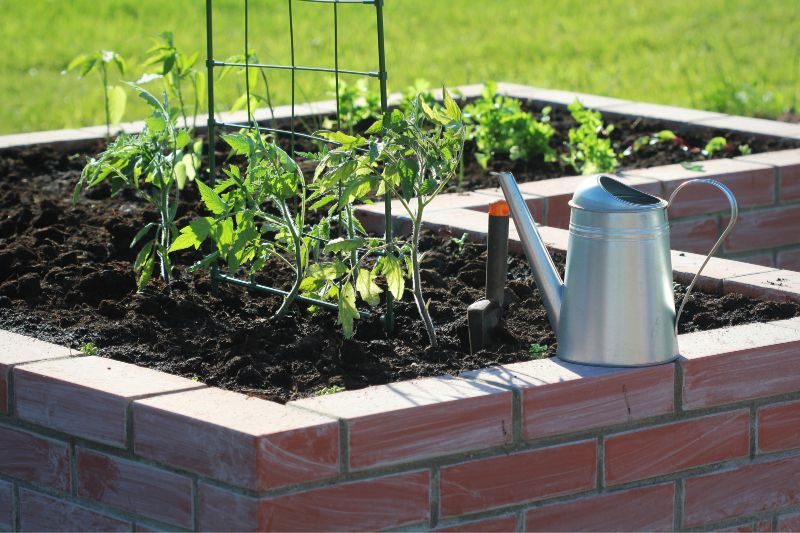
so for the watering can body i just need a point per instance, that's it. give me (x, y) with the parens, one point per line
(616, 305)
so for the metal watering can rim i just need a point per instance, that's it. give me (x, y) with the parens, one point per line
(605, 194)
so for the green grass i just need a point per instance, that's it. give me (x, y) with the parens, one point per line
(738, 56)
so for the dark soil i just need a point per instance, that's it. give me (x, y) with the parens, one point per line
(65, 277)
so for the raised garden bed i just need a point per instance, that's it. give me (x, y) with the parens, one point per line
(530, 445)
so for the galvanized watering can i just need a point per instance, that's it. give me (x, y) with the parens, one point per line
(615, 306)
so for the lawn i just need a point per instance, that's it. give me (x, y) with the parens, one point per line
(737, 56)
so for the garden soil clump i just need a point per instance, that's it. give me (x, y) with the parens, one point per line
(66, 277)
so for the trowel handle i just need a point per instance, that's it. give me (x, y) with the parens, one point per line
(734, 216)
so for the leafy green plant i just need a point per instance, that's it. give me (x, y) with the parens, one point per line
(419, 152)
(324, 391)
(253, 216)
(420, 89)
(156, 164)
(499, 126)
(537, 351)
(651, 140)
(255, 97)
(176, 69)
(114, 96)
(714, 145)
(88, 348)
(589, 146)
(460, 242)
(356, 103)
(745, 149)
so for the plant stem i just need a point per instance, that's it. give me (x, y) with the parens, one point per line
(417, 280)
(105, 99)
(298, 261)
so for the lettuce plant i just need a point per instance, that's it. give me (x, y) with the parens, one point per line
(498, 126)
(114, 96)
(156, 164)
(589, 145)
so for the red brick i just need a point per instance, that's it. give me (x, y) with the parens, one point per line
(752, 125)
(783, 285)
(555, 96)
(6, 506)
(759, 258)
(787, 162)
(694, 235)
(677, 446)
(535, 203)
(560, 397)
(500, 524)
(241, 440)
(420, 418)
(789, 522)
(33, 458)
(559, 211)
(685, 265)
(643, 509)
(752, 185)
(87, 396)
(764, 228)
(18, 349)
(739, 363)
(223, 510)
(519, 477)
(380, 503)
(135, 487)
(668, 113)
(39, 512)
(763, 525)
(789, 259)
(742, 491)
(779, 427)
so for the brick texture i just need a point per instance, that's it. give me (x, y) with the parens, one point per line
(789, 523)
(87, 396)
(746, 490)
(39, 512)
(419, 418)
(516, 478)
(678, 446)
(643, 509)
(779, 427)
(685, 265)
(360, 506)
(781, 285)
(243, 441)
(223, 510)
(500, 524)
(787, 163)
(6, 506)
(135, 487)
(789, 259)
(757, 360)
(764, 228)
(560, 397)
(697, 236)
(35, 459)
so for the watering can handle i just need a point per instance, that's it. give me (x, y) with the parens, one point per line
(734, 216)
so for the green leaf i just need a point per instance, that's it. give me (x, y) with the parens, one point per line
(393, 271)
(347, 309)
(180, 174)
(192, 163)
(147, 97)
(693, 167)
(327, 271)
(182, 139)
(451, 108)
(141, 257)
(117, 98)
(344, 245)
(147, 272)
(156, 123)
(666, 135)
(211, 199)
(142, 232)
(238, 142)
(367, 288)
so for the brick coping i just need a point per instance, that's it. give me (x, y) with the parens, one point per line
(423, 440)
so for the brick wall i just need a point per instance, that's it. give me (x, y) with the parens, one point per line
(710, 442)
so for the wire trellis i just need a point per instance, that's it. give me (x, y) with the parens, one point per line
(379, 74)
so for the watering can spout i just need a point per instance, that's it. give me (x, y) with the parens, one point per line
(544, 270)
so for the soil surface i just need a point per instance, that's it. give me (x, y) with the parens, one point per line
(66, 277)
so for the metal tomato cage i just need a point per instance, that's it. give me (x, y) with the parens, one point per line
(213, 124)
